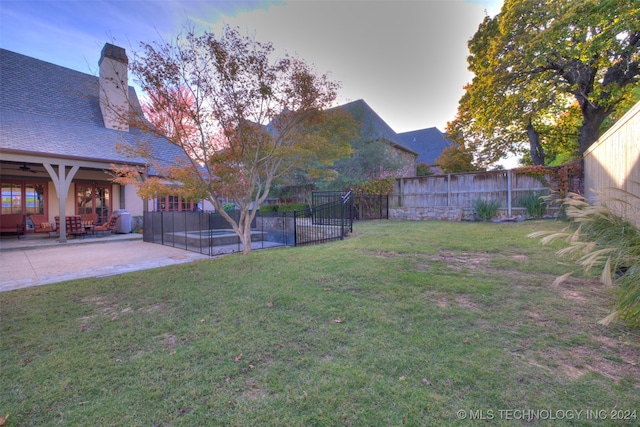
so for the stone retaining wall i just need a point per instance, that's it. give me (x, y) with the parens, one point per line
(450, 213)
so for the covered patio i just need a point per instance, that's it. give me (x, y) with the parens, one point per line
(61, 134)
(52, 188)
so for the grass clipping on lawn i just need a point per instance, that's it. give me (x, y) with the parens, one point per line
(402, 323)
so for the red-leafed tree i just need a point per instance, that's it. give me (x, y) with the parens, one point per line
(241, 118)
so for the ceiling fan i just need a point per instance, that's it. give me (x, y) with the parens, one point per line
(26, 168)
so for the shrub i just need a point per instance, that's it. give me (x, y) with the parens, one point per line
(485, 209)
(228, 207)
(533, 203)
(284, 208)
(423, 169)
(293, 207)
(602, 240)
(268, 208)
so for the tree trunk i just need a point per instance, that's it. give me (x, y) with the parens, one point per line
(537, 153)
(245, 239)
(242, 228)
(592, 118)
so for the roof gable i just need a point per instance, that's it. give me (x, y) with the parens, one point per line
(428, 143)
(51, 110)
(372, 125)
(29, 85)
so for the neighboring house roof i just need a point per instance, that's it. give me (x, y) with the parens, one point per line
(49, 110)
(428, 143)
(373, 127)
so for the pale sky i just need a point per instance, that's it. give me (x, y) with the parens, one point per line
(406, 59)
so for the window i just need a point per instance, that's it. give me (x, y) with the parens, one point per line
(174, 204)
(19, 198)
(11, 198)
(34, 198)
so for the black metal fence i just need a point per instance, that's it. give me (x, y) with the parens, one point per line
(363, 206)
(330, 220)
(209, 233)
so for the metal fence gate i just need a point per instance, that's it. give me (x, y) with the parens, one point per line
(329, 218)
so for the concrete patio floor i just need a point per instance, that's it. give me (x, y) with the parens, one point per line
(34, 261)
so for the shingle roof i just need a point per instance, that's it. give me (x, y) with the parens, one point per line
(373, 127)
(48, 109)
(428, 143)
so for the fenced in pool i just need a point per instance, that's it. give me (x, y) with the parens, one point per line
(209, 233)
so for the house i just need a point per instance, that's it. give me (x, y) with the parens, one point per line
(58, 137)
(373, 128)
(428, 143)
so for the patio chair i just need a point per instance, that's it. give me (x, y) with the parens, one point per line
(42, 225)
(107, 227)
(75, 226)
(12, 223)
(89, 219)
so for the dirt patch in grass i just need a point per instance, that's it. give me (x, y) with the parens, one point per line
(441, 299)
(465, 302)
(577, 361)
(385, 254)
(153, 307)
(444, 300)
(612, 351)
(111, 308)
(567, 312)
(537, 318)
(461, 260)
(584, 290)
(253, 391)
(169, 342)
(104, 304)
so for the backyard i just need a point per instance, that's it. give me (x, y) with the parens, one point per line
(402, 323)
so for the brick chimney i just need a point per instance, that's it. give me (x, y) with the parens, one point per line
(114, 86)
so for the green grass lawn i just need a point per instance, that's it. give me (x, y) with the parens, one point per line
(402, 323)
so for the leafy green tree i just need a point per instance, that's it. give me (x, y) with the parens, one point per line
(371, 159)
(372, 155)
(456, 158)
(536, 57)
(423, 169)
(468, 151)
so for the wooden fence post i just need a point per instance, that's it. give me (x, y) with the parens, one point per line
(509, 194)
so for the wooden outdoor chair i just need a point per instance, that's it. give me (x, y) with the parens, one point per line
(107, 227)
(42, 225)
(89, 219)
(75, 226)
(12, 223)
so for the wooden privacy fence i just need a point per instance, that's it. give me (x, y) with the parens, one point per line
(613, 162)
(452, 196)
